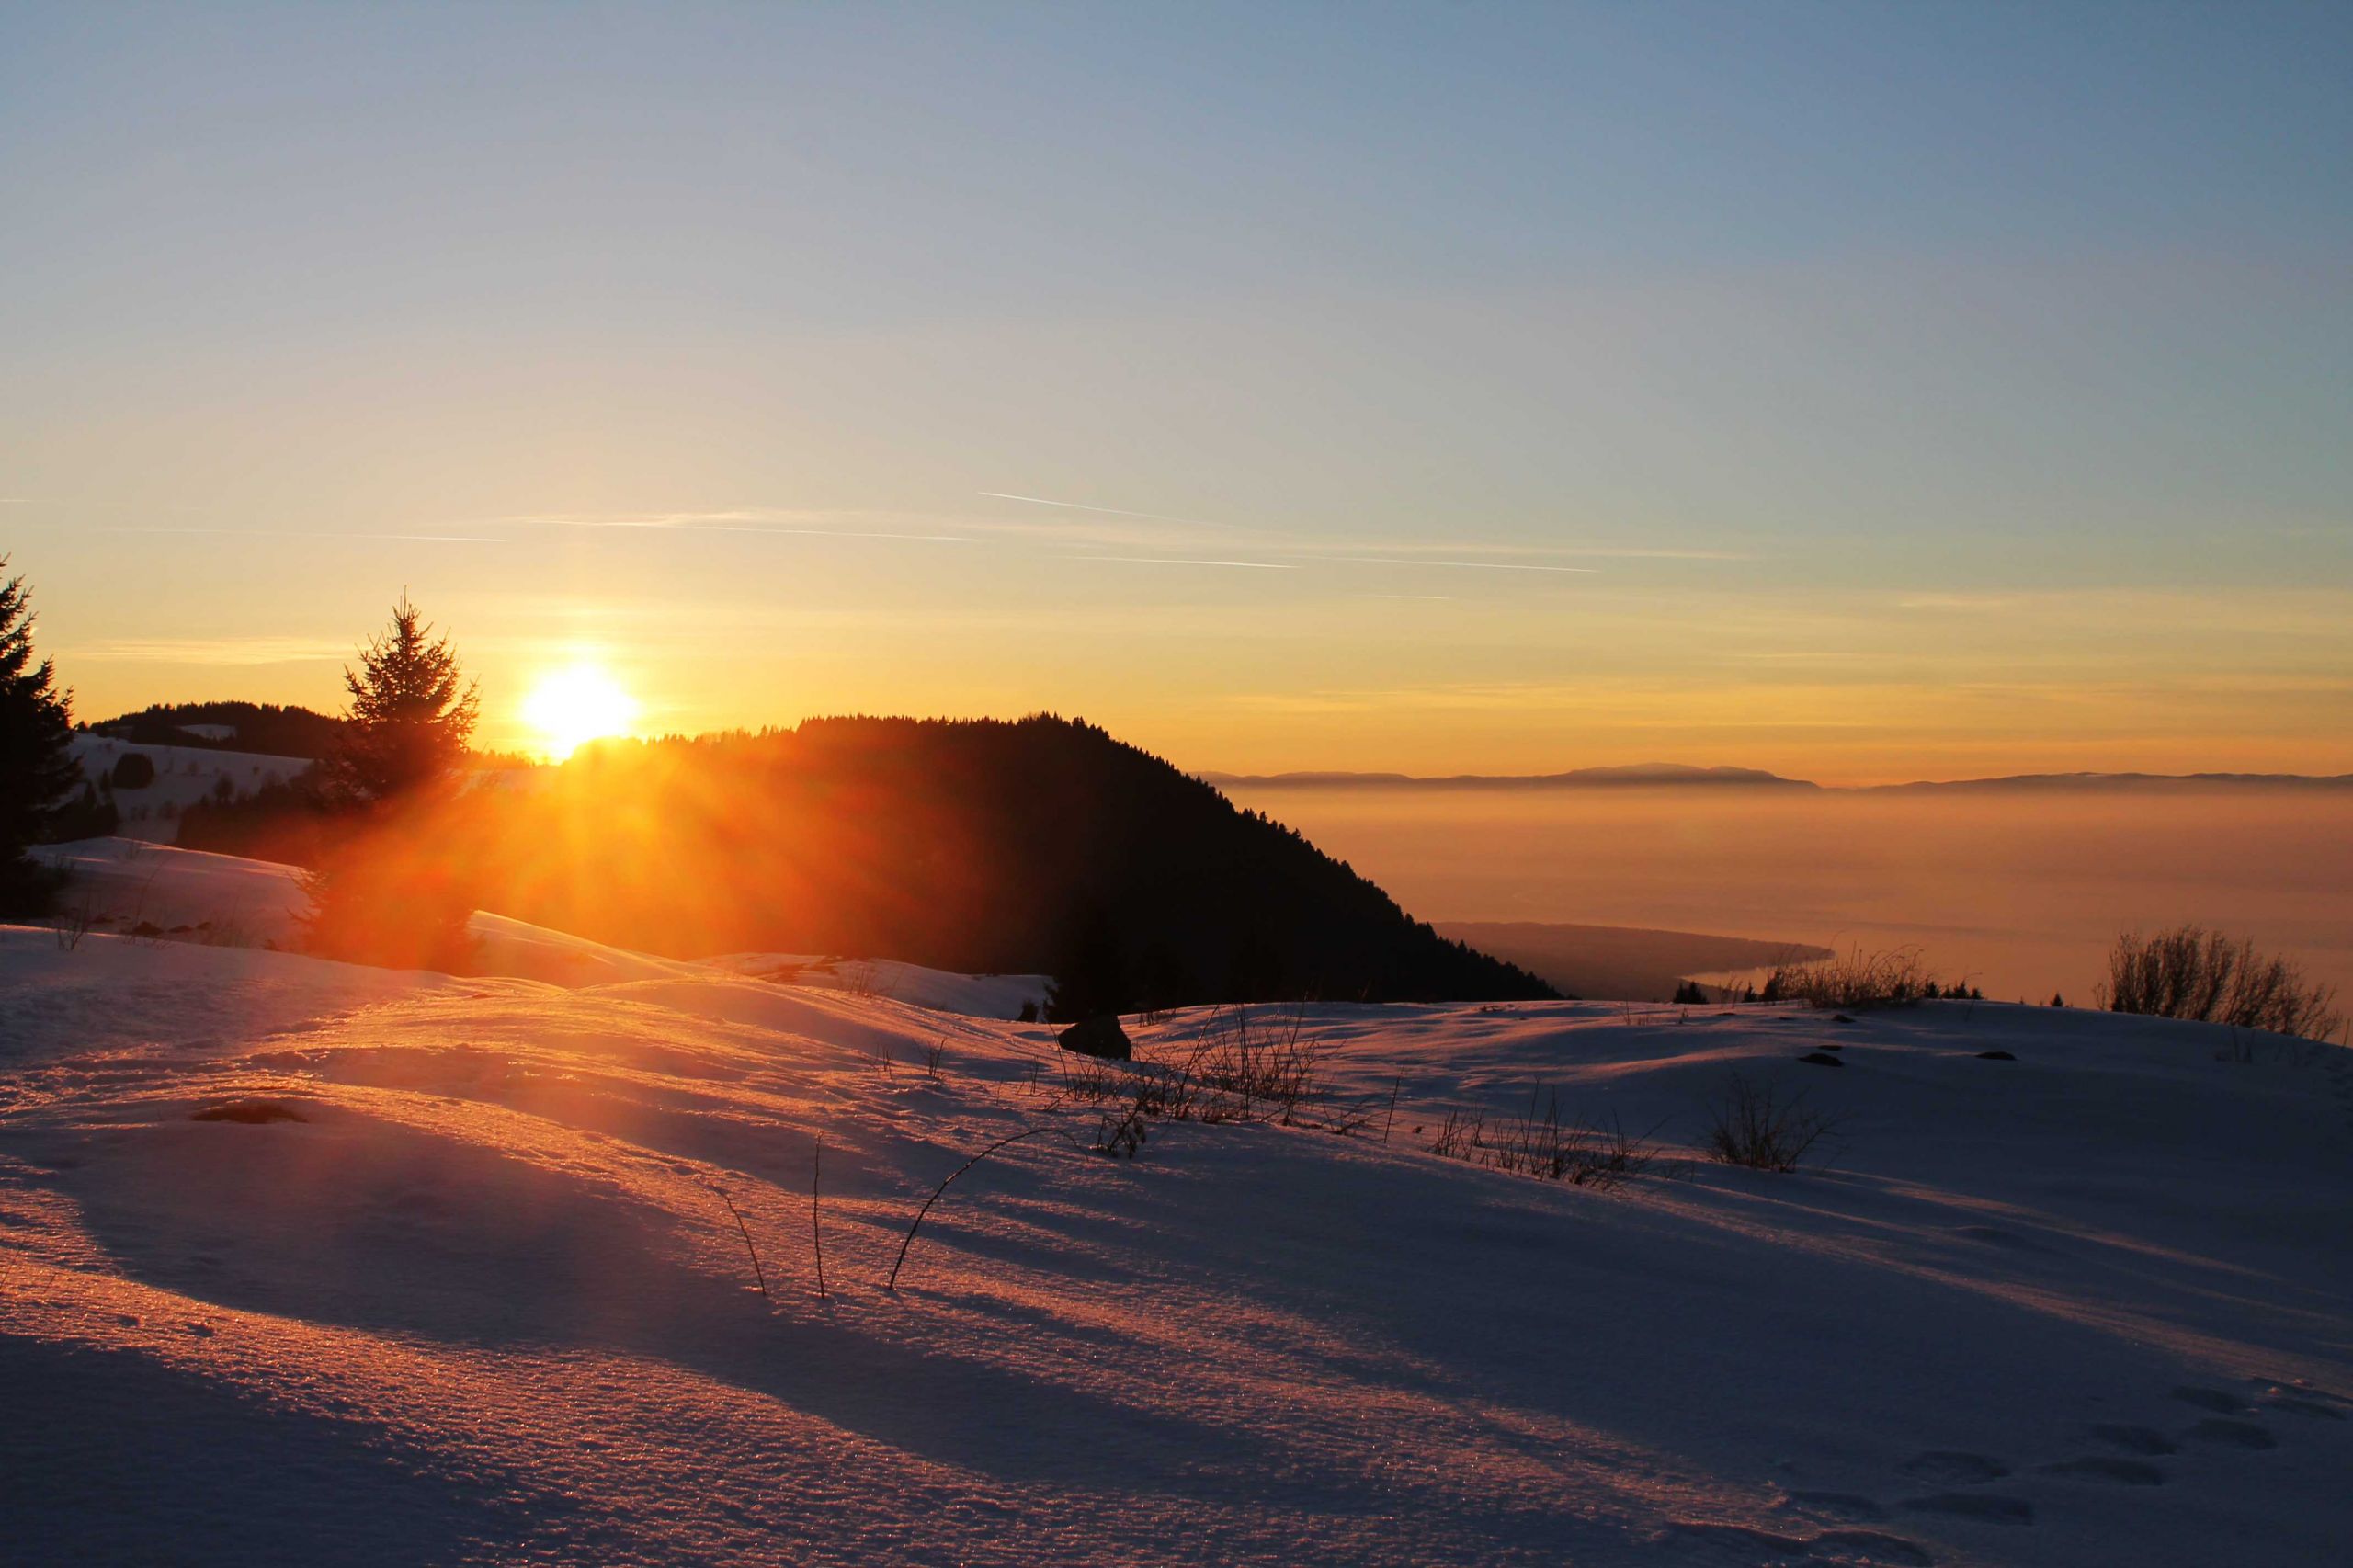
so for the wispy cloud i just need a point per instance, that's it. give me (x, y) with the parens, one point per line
(1404, 551)
(1393, 552)
(782, 525)
(310, 533)
(1082, 506)
(1122, 533)
(1188, 561)
(237, 651)
(1458, 565)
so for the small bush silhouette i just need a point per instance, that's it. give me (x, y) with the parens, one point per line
(133, 770)
(1755, 1126)
(1862, 980)
(1539, 1142)
(2192, 972)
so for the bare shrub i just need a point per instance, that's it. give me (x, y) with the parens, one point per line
(1540, 1142)
(759, 1275)
(816, 1226)
(1894, 977)
(1262, 1068)
(2192, 972)
(1089, 1079)
(1121, 1134)
(916, 1224)
(864, 979)
(1459, 1136)
(73, 923)
(1754, 1125)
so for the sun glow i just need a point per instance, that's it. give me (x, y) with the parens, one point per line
(573, 706)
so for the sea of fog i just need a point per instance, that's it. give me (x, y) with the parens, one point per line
(2021, 892)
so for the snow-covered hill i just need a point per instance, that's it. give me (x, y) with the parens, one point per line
(125, 886)
(304, 1263)
(184, 775)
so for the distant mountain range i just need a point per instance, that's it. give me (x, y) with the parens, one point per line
(1641, 773)
(2134, 781)
(274, 731)
(1655, 774)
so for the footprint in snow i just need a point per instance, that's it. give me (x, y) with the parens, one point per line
(1954, 1467)
(2135, 1439)
(1846, 1504)
(1981, 1505)
(2122, 1472)
(1740, 1544)
(2225, 1434)
(2221, 1400)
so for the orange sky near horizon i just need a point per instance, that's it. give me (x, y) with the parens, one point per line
(1313, 668)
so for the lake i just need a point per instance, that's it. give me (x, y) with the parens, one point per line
(2021, 892)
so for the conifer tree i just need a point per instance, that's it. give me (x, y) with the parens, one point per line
(392, 893)
(412, 714)
(37, 766)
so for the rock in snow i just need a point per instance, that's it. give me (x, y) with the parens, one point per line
(1100, 1037)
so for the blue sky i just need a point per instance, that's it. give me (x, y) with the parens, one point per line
(1993, 357)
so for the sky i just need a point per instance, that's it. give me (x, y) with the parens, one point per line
(1861, 392)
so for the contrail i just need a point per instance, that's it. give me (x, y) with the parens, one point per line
(812, 533)
(1373, 560)
(1182, 561)
(1082, 506)
(849, 533)
(1464, 565)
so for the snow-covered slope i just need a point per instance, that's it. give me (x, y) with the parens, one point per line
(488, 1298)
(982, 995)
(122, 886)
(184, 775)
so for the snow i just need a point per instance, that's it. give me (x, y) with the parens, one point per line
(979, 995)
(128, 884)
(184, 775)
(485, 1301)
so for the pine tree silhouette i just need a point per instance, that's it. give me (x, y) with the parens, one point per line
(413, 712)
(36, 768)
(389, 894)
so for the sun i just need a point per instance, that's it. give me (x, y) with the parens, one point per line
(575, 705)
